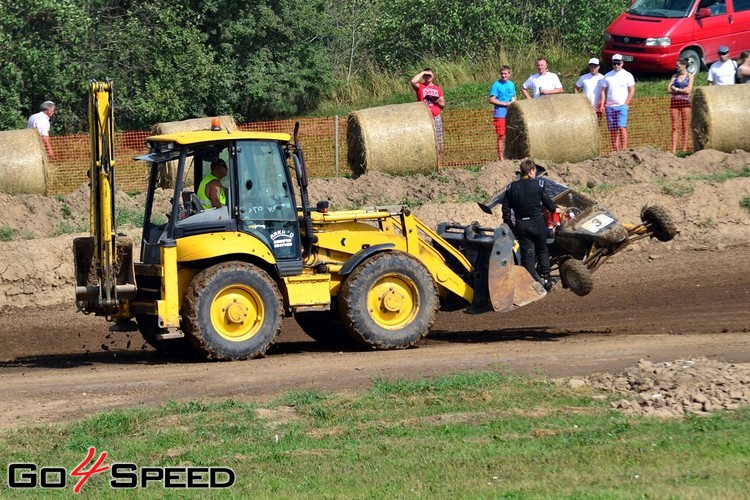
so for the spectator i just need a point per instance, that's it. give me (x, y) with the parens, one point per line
(743, 67)
(590, 84)
(723, 71)
(618, 89)
(40, 121)
(680, 87)
(502, 94)
(432, 95)
(210, 191)
(542, 82)
(522, 211)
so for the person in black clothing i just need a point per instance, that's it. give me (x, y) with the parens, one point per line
(524, 199)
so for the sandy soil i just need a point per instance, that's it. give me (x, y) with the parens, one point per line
(655, 301)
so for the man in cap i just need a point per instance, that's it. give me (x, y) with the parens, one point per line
(523, 202)
(722, 72)
(40, 121)
(617, 90)
(590, 84)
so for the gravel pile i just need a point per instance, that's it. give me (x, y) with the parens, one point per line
(695, 385)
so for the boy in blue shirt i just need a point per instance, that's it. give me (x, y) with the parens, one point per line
(502, 94)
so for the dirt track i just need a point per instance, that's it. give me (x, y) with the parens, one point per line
(656, 305)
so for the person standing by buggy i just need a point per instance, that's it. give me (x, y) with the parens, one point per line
(680, 87)
(432, 95)
(40, 121)
(524, 200)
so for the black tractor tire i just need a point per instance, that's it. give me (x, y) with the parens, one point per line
(325, 327)
(174, 348)
(576, 277)
(389, 301)
(232, 311)
(694, 61)
(660, 221)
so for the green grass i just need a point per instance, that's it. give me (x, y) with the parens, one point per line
(472, 435)
(745, 202)
(7, 233)
(129, 216)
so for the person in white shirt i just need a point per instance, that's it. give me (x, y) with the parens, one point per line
(618, 89)
(723, 71)
(541, 83)
(40, 121)
(590, 84)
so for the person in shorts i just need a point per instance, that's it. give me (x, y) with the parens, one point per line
(502, 95)
(679, 88)
(618, 89)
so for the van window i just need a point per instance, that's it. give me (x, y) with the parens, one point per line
(661, 8)
(715, 6)
(741, 5)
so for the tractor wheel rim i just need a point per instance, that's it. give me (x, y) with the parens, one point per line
(237, 313)
(393, 302)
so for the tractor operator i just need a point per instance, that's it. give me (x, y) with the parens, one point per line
(524, 199)
(211, 192)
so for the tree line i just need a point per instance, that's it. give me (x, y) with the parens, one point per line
(254, 60)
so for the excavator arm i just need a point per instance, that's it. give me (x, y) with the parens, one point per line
(105, 279)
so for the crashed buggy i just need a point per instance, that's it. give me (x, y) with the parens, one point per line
(588, 233)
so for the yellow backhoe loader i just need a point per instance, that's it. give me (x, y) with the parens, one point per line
(217, 281)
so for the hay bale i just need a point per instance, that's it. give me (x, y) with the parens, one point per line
(720, 117)
(23, 162)
(557, 128)
(395, 139)
(167, 177)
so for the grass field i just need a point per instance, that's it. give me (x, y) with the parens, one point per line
(478, 435)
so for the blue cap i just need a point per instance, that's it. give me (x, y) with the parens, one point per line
(723, 49)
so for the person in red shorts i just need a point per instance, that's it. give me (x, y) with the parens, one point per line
(502, 95)
(680, 87)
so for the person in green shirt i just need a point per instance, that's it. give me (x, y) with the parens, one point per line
(211, 192)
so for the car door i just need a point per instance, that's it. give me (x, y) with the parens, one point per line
(715, 30)
(740, 25)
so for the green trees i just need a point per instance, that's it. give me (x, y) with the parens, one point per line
(176, 59)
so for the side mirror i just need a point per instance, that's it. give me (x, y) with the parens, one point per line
(704, 12)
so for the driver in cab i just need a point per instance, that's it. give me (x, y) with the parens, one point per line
(211, 192)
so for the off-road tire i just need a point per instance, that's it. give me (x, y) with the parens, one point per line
(232, 311)
(325, 327)
(174, 348)
(576, 277)
(389, 301)
(660, 221)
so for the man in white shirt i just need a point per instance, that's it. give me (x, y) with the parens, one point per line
(722, 71)
(40, 121)
(590, 84)
(618, 89)
(542, 83)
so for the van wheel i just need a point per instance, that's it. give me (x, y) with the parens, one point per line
(694, 61)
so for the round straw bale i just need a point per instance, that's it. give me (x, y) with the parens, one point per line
(395, 139)
(720, 118)
(23, 162)
(557, 128)
(167, 175)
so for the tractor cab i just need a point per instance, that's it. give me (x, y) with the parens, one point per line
(257, 189)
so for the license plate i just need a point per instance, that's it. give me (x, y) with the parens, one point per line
(627, 58)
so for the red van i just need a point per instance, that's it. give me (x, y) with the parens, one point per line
(652, 34)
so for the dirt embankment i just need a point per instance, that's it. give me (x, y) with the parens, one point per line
(36, 266)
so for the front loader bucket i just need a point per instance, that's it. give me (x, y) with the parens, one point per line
(509, 286)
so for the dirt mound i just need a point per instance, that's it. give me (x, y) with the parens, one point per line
(695, 385)
(702, 191)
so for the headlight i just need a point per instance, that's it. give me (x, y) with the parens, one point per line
(607, 37)
(664, 41)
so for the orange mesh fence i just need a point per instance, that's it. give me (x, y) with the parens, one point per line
(469, 141)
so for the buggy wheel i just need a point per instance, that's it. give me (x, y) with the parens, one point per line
(575, 276)
(389, 301)
(232, 311)
(659, 222)
(325, 327)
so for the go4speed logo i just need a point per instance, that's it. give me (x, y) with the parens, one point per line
(122, 475)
